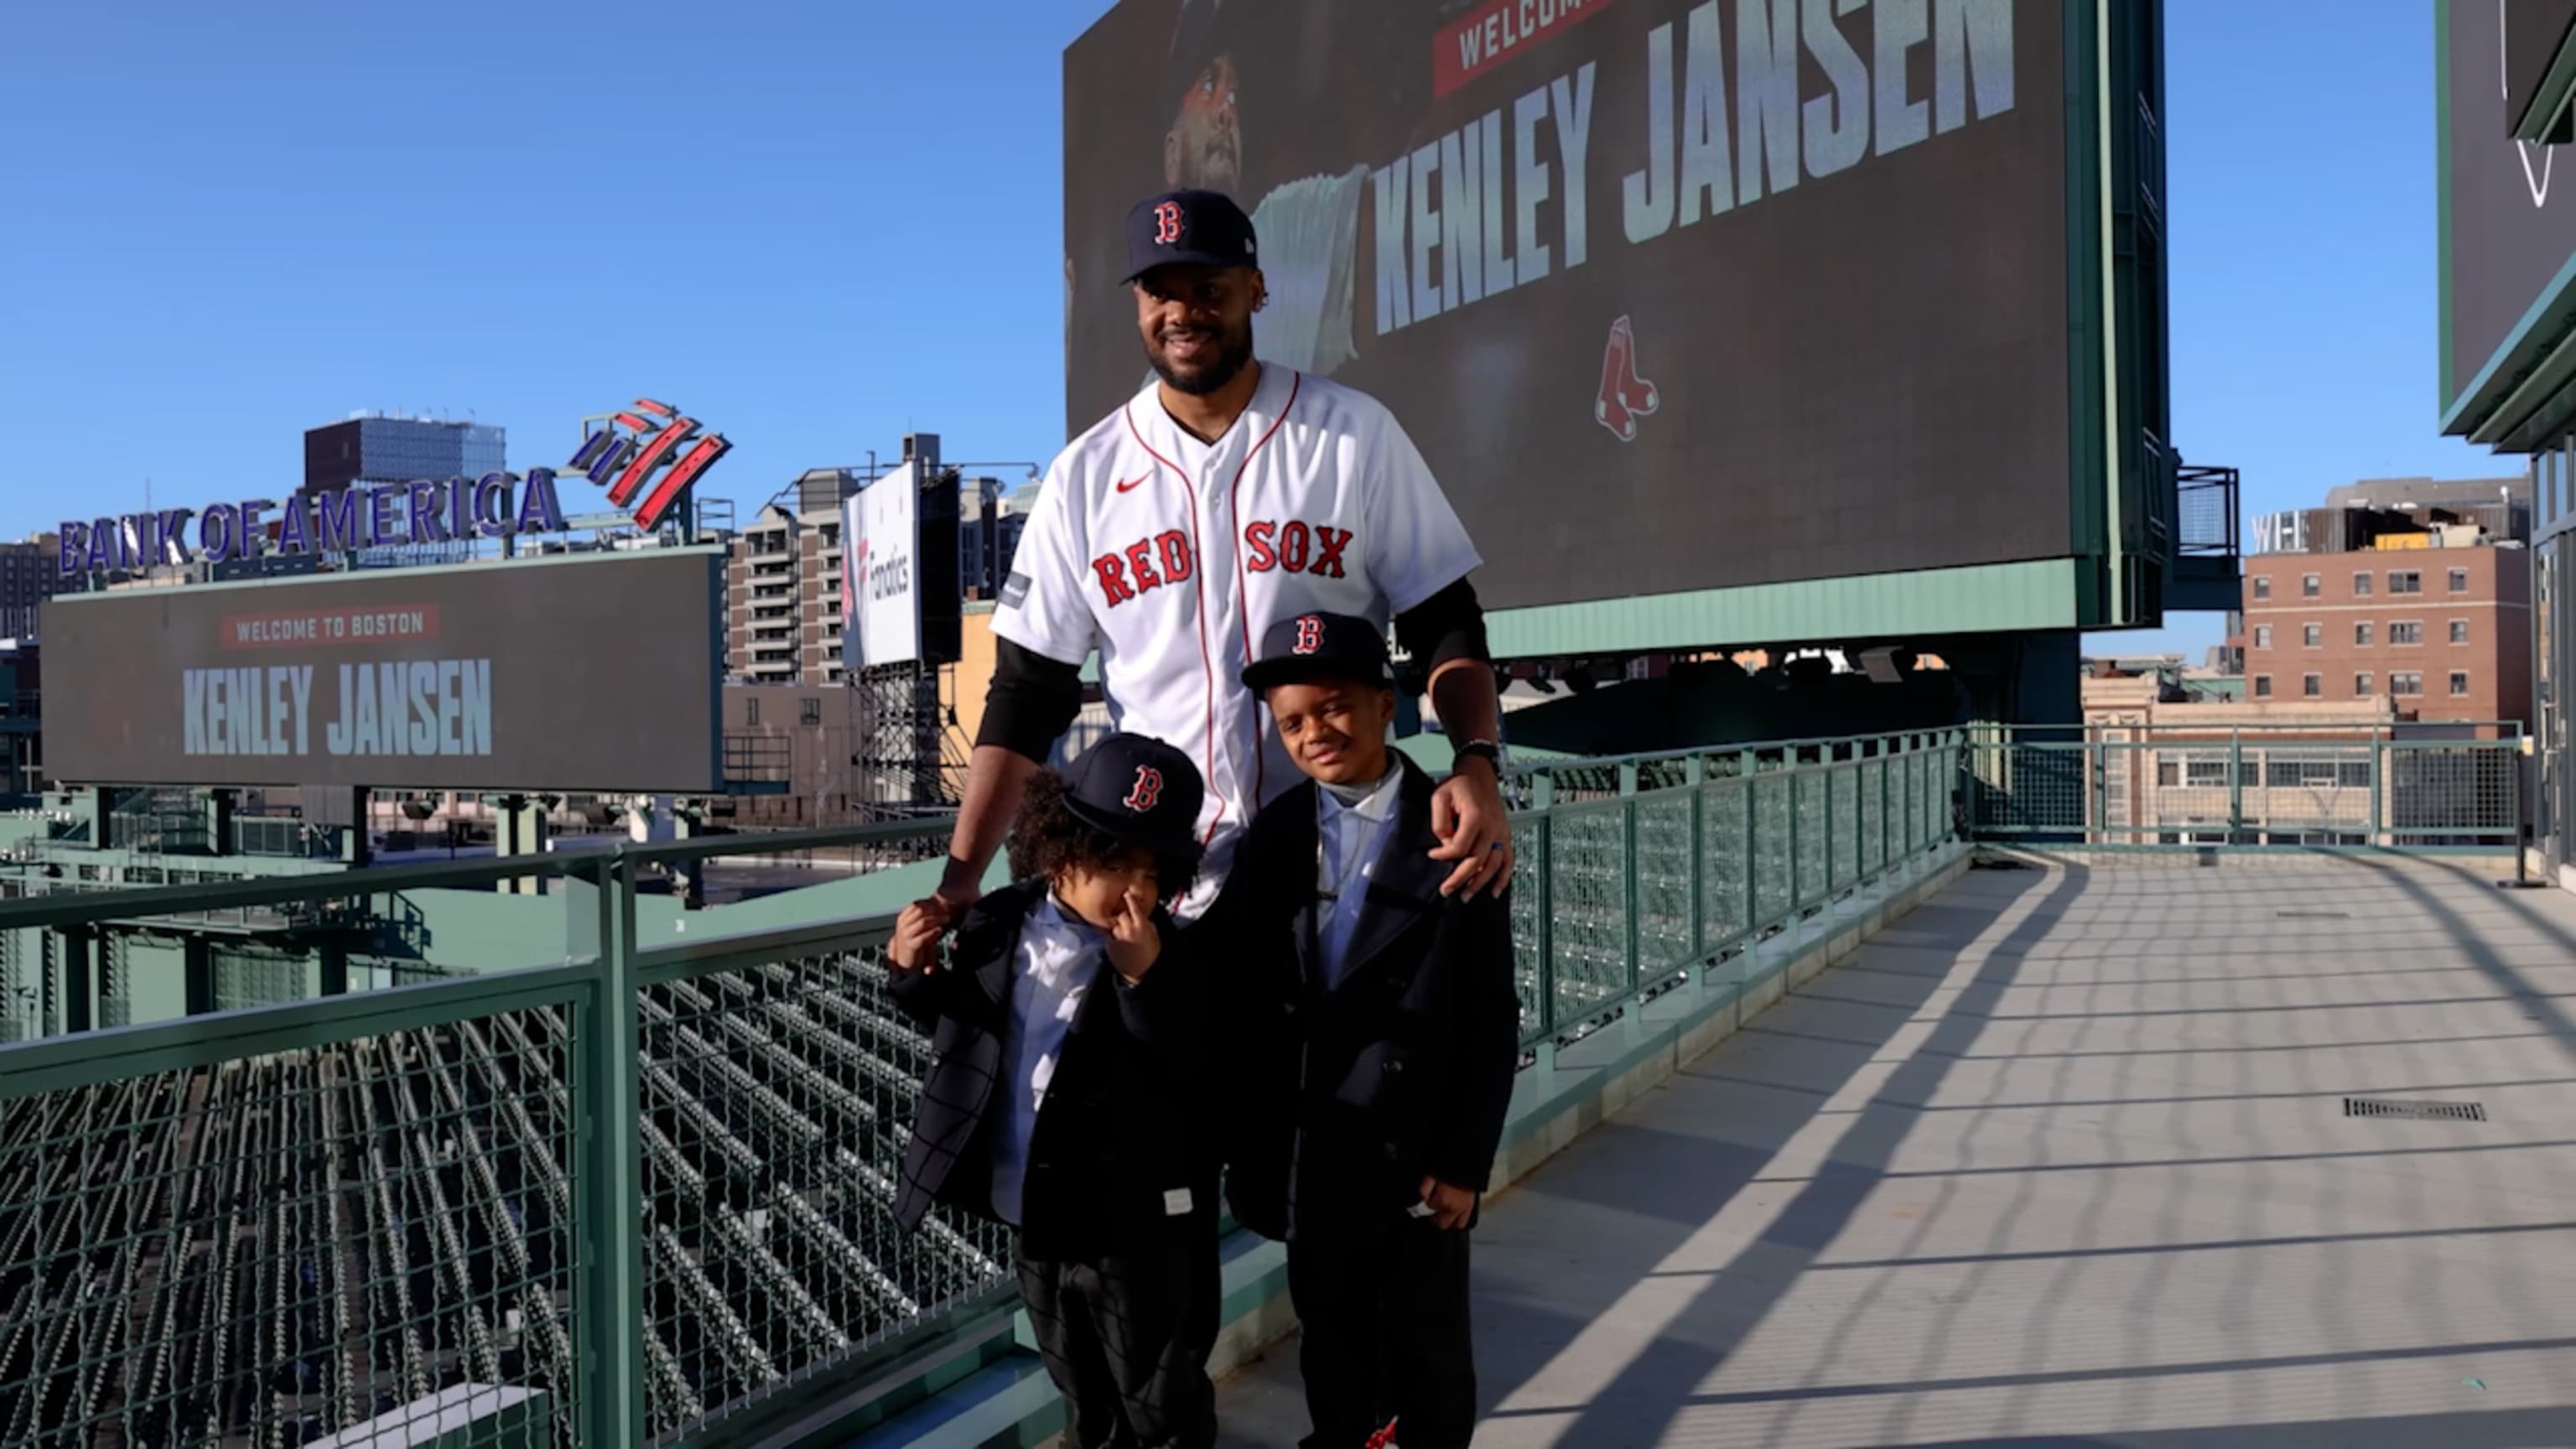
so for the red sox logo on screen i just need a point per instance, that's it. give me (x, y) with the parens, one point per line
(1167, 223)
(1624, 396)
(1148, 790)
(1310, 635)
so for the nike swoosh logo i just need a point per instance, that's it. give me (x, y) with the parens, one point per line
(1133, 482)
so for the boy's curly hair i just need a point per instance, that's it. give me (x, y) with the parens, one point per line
(1048, 837)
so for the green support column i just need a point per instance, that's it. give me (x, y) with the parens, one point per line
(609, 1180)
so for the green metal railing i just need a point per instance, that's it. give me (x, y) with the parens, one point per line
(642, 1193)
(2307, 786)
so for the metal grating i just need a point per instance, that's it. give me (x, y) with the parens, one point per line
(2415, 1111)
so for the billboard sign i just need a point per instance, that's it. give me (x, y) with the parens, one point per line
(595, 672)
(880, 577)
(1672, 296)
(2509, 218)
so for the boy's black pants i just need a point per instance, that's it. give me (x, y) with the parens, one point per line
(1386, 1333)
(1126, 1338)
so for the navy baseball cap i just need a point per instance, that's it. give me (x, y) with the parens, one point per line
(1138, 789)
(1320, 646)
(1200, 228)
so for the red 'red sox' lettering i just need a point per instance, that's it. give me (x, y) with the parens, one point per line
(1296, 548)
(1123, 573)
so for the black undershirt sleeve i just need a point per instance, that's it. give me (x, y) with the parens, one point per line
(1448, 625)
(1031, 703)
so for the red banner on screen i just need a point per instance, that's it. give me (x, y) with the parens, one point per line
(1498, 32)
(335, 628)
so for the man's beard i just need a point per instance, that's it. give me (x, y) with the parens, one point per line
(1232, 357)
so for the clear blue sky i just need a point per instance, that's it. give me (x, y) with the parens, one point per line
(819, 226)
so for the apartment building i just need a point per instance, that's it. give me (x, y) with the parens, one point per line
(783, 587)
(2427, 603)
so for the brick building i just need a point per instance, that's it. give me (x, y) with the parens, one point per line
(2432, 608)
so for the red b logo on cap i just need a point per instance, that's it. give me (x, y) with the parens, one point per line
(1310, 634)
(1167, 223)
(1149, 789)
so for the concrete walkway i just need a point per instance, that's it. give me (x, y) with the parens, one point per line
(2063, 1158)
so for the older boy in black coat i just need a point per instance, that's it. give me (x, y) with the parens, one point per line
(1067, 1096)
(1374, 1026)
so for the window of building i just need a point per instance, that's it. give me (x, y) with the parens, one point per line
(2406, 682)
(2459, 631)
(751, 711)
(2459, 682)
(2313, 686)
(2409, 631)
(810, 712)
(2459, 581)
(2361, 686)
(2314, 636)
(2361, 634)
(2310, 586)
(2209, 770)
(2262, 636)
(2316, 773)
(2262, 686)
(2361, 586)
(2406, 581)
(2262, 586)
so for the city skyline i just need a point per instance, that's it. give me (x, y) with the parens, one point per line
(790, 301)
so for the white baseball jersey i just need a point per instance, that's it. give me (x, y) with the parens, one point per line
(1172, 557)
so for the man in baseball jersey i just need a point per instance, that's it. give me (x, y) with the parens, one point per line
(1223, 497)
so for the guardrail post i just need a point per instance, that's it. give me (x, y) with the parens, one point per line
(2235, 788)
(1827, 754)
(1797, 877)
(1635, 865)
(1746, 764)
(2370, 837)
(610, 1179)
(2100, 769)
(1695, 775)
(1887, 854)
(2514, 763)
(1542, 798)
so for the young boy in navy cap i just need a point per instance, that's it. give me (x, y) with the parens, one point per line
(1376, 1025)
(1066, 1094)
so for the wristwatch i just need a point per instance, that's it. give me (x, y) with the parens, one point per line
(1490, 751)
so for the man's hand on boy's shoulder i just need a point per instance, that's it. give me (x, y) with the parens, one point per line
(1135, 943)
(915, 946)
(1475, 829)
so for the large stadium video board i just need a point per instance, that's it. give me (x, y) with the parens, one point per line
(1672, 296)
(596, 673)
(2509, 217)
